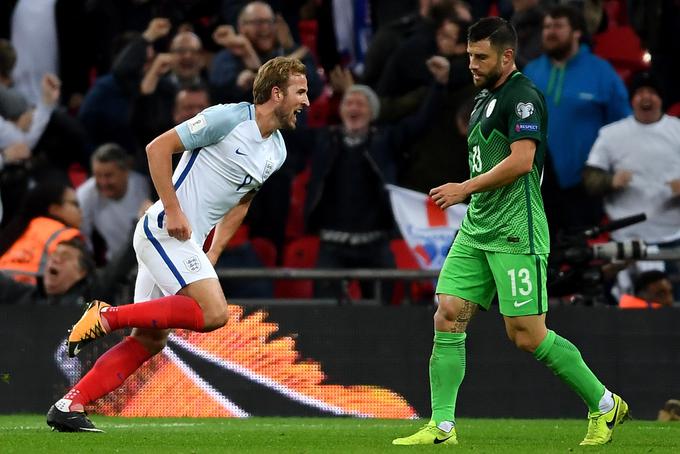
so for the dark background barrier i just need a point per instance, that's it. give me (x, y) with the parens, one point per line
(635, 353)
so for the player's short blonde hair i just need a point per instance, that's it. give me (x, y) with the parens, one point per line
(275, 73)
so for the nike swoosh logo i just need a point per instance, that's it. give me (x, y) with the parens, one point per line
(437, 440)
(612, 423)
(518, 304)
(241, 153)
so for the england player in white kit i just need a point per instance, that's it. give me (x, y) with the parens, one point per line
(229, 160)
(229, 152)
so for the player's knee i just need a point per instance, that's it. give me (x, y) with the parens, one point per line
(442, 317)
(446, 313)
(523, 341)
(216, 318)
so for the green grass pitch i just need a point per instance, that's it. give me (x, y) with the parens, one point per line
(29, 434)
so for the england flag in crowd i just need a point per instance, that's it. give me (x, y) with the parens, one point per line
(428, 230)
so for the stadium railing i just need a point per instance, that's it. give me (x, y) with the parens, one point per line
(345, 276)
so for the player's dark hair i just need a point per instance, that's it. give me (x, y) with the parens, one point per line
(497, 30)
(275, 73)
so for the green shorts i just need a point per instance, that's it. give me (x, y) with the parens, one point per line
(476, 275)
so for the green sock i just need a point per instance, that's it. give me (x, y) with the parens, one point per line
(447, 369)
(564, 360)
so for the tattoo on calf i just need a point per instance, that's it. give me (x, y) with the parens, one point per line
(463, 318)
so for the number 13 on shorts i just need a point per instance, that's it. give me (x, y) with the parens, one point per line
(520, 282)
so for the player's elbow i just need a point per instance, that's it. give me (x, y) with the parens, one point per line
(151, 147)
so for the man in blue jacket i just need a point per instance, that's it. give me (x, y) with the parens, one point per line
(582, 93)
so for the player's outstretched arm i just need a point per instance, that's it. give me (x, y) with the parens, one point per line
(228, 225)
(520, 162)
(159, 153)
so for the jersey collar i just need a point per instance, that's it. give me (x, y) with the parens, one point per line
(513, 74)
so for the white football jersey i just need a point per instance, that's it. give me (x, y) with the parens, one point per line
(226, 158)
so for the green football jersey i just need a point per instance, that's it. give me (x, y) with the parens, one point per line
(511, 218)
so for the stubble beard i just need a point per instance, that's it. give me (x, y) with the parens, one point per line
(490, 80)
(284, 119)
(559, 52)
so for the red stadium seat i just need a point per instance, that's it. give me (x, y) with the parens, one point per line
(309, 30)
(239, 237)
(303, 253)
(265, 250)
(295, 224)
(674, 110)
(320, 110)
(621, 47)
(299, 253)
(77, 174)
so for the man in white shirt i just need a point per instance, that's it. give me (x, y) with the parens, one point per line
(635, 163)
(231, 150)
(112, 198)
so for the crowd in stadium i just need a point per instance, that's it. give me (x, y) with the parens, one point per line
(86, 85)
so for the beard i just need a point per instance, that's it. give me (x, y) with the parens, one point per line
(559, 52)
(284, 118)
(490, 79)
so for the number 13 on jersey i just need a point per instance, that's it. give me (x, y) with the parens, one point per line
(476, 160)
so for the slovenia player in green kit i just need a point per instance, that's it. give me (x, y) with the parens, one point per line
(502, 246)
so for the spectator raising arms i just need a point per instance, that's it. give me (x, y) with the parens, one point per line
(260, 36)
(347, 203)
(635, 163)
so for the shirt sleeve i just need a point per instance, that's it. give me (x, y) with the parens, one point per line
(525, 115)
(599, 154)
(211, 125)
(11, 134)
(41, 117)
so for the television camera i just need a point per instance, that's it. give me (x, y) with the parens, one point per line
(577, 268)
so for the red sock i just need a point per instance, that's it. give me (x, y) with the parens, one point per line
(109, 372)
(176, 311)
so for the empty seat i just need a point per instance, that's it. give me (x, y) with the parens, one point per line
(265, 250)
(299, 253)
(621, 47)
